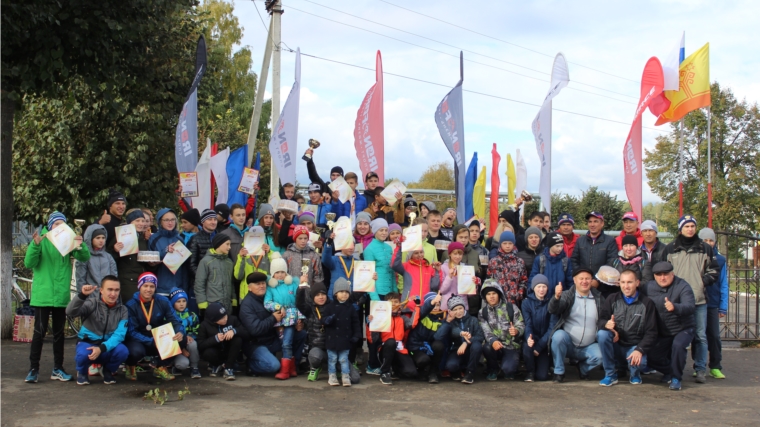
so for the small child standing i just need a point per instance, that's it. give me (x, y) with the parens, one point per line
(189, 357)
(314, 309)
(281, 295)
(509, 270)
(343, 332)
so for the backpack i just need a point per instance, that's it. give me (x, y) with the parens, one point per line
(542, 263)
(510, 311)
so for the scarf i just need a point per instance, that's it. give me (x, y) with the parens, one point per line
(630, 300)
(631, 261)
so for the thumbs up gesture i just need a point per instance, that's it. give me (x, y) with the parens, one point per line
(105, 219)
(558, 290)
(512, 330)
(610, 323)
(669, 305)
(530, 340)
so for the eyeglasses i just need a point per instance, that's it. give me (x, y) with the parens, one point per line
(168, 219)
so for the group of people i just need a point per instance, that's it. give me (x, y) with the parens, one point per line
(292, 309)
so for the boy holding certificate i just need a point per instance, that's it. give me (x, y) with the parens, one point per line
(391, 345)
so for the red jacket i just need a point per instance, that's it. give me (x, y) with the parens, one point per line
(400, 327)
(637, 234)
(569, 244)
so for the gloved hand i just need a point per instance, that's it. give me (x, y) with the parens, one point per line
(329, 319)
(417, 300)
(354, 340)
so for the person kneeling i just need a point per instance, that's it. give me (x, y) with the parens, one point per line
(629, 341)
(427, 352)
(392, 349)
(466, 336)
(503, 326)
(220, 340)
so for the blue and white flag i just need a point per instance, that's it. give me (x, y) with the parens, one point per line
(186, 136)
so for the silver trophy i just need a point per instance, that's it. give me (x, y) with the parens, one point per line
(313, 145)
(304, 266)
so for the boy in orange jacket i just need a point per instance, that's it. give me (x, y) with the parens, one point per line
(392, 349)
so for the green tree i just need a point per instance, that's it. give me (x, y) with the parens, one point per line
(603, 202)
(439, 176)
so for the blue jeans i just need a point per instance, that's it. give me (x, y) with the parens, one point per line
(588, 357)
(699, 344)
(109, 359)
(613, 352)
(262, 360)
(504, 359)
(287, 341)
(338, 356)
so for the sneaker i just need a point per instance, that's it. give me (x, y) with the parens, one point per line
(333, 379)
(432, 378)
(608, 381)
(635, 380)
(394, 376)
(468, 379)
(313, 374)
(130, 373)
(107, 378)
(229, 374)
(558, 378)
(445, 374)
(82, 378)
(195, 373)
(529, 377)
(700, 377)
(648, 371)
(346, 378)
(717, 374)
(163, 374)
(582, 376)
(456, 376)
(492, 376)
(95, 370)
(675, 385)
(373, 371)
(31, 377)
(60, 375)
(175, 371)
(386, 379)
(509, 377)
(666, 379)
(215, 371)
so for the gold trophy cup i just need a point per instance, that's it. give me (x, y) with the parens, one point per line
(313, 145)
(304, 266)
(330, 217)
(412, 217)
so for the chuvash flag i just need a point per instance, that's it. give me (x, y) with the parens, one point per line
(542, 129)
(493, 210)
(369, 132)
(284, 140)
(449, 116)
(186, 136)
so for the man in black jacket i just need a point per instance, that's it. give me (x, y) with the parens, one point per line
(594, 250)
(220, 338)
(200, 243)
(652, 250)
(627, 330)
(674, 301)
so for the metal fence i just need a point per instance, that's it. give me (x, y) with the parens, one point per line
(742, 321)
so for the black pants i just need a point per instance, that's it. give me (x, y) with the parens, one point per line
(505, 359)
(669, 354)
(468, 361)
(401, 363)
(473, 301)
(424, 362)
(41, 321)
(714, 346)
(539, 365)
(224, 353)
(138, 350)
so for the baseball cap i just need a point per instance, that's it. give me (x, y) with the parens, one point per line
(631, 215)
(594, 214)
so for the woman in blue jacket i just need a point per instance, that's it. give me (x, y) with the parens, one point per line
(163, 241)
(538, 329)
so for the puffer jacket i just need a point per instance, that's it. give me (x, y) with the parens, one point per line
(162, 313)
(335, 264)
(313, 313)
(670, 323)
(100, 264)
(294, 257)
(213, 281)
(509, 271)
(382, 254)
(419, 278)
(199, 244)
(281, 294)
(696, 265)
(538, 321)
(208, 330)
(529, 255)
(495, 321)
(427, 326)
(635, 264)
(594, 254)
(160, 241)
(635, 323)
(344, 209)
(52, 272)
(651, 258)
(102, 326)
(189, 321)
(717, 295)
(558, 269)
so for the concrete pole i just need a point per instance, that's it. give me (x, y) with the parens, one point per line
(276, 40)
(253, 131)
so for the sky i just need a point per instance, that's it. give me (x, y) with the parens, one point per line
(606, 44)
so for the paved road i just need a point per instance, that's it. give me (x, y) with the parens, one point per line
(266, 401)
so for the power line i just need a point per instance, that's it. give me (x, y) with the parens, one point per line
(506, 42)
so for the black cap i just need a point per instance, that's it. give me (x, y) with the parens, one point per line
(192, 216)
(369, 175)
(582, 270)
(215, 312)
(223, 211)
(317, 288)
(219, 240)
(336, 169)
(256, 277)
(554, 238)
(662, 267)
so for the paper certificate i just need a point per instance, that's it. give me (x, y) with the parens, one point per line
(62, 237)
(310, 208)
(465, 283)
(358, 249)
(164, 339)
(389, 193)
(313, 237)
(248, 181)
(341, 186)
(253, 241)
(343, 234)
(381, 316)
(188, 182)
(173, 261)
(127, 234)
(413, 236)
(483, 259)
(149, 256)
(363, 273)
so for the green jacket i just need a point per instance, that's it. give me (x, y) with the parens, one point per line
(213, 281)
(52, 272)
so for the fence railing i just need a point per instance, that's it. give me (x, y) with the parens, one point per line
(742, 321)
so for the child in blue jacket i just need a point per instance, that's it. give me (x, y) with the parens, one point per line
(539, 325)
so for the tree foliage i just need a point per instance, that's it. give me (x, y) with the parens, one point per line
(439, 176)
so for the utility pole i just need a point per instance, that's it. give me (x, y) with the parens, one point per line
(253, 131)
(276, 12)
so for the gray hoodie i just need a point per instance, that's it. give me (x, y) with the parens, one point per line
(100, 265)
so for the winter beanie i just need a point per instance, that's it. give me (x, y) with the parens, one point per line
(554, 238)
(135, 215)
(685, 220)
(649, 225)
(318, 288)
(55, 216)
(531, 231)
(394, 227)
(337, 169)
(215, 312)
(707, 233)
(264, 210)
(192, 216)
(363, 217)
(147, 277)
(299, 230)
(207, 214)
(341, 285)
(223, 211)
(630, 240)
(277, 264)
(454, 301)
(378, 224)
(453, 246)
(115, 196)
(507, 236)
(306, 216)
(99, 232)
(219, 239)
(539, 279)
(176, 294)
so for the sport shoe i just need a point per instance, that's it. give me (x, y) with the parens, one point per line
(433, 378)
(717, 374)
(163, 374)
(195, 373)
(95, 370)
(468, 379)
(635, 380)
(346, 380)
(175, 371)
(666, 379)
(492, 376)
(60, 375)
(313, 374)
(373, 371)
(31, 377)
(82, 378)
(648, 371)
(229, 374)
(215, 370)
(333, 379)
(700, 377)
(386, 379)
(529, 377)
(675, 384)
(608, 381)
(108, 377)
(130, 373)
(558, 378)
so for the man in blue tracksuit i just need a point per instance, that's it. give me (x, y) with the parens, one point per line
(717, 305)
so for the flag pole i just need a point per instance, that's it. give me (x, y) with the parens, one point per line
(680, 168)
(709, 171)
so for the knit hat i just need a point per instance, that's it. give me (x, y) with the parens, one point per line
(100, 231)
(649, 225)
(307, 216)
(430, 296)
(318, 288)
(429, 205)
(341, 285)
(147, 277)
(531, 231)
(565, 218)
(410, 202)
(553, 238)
(685, 220)
(176, 294)
(223, 211)
(256, 277)
(394, 227)
(539, 279)
(276, 265)
(207, 214)
(629, 239)
(378, 224)
(707, 233)
(314, 186)
(55, 216)
(454, 301)
(134, 215)
(448, 209)
(219, 239)
(299, 230)
(363, 217)
(337, 169)
(264, 210)
(507, 236)
(115, 196)
(453, 246)
(192, 216)
(215, 312)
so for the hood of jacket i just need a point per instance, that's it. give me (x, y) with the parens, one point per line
(492, 285)
(87, 237)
